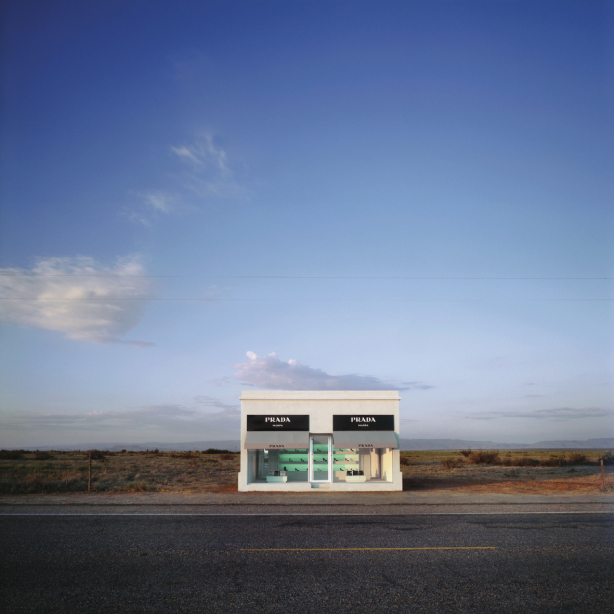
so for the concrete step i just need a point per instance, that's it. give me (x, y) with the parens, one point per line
(323, 485)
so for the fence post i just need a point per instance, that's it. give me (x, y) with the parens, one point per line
(602, 475)
(89, 475)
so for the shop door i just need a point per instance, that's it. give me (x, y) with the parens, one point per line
(320, 458)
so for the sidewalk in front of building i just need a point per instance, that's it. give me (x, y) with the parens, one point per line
(399, 499)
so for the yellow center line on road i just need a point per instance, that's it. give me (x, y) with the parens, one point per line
(348, 549)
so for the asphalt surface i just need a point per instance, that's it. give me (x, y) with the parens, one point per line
(405, 498)
(308, 508)
(296, 560)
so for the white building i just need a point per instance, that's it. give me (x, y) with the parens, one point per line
(299, 440)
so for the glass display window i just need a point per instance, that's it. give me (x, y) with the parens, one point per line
(294, 462)
(344, 461)
(263, 464)
(321, 462)
(361, 465)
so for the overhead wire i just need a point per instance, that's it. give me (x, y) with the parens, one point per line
(222, 300)
(419, 278)
(301, 277)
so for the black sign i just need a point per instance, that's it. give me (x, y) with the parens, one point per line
(282, 422)
(364, 423)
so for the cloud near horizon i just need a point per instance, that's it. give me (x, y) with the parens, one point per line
(73, 296)
(269, 372)
(557, 413)
(208, 401)
(169, 417)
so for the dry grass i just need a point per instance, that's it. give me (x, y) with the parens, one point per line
(514, 471)
(492, 457)
(518, 471)
(452, 463)
(484, 457)
(190, 472)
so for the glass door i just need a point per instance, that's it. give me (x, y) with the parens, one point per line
(320, 458)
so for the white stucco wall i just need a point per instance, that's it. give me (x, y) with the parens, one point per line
(321, 406)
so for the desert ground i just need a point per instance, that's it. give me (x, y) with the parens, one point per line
(514, 471)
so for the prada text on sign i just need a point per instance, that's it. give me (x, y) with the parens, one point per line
(377, 422)
(277, 423)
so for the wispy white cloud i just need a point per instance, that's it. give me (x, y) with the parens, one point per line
(209, 175)
(203, 153)
(60, 293)
(187, 155)
(204, 176)
(156, 204)
(556, 413)
(160, 202)
(269, 372)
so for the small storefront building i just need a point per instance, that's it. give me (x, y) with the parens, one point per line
(300, 440)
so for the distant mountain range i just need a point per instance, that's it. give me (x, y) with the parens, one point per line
(463, 444)
(406, 444)
(229, 444)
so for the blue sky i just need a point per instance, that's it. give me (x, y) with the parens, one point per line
(318, 195)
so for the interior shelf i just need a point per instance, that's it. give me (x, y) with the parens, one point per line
(341, 460)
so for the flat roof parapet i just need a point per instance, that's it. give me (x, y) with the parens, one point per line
(320, 395)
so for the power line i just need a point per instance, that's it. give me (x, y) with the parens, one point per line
(410, 278)
(307, 277)
(302, 300)
(82, 275)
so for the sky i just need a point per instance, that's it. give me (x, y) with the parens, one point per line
(200, 198)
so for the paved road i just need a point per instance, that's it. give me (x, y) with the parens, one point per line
(307, 563)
